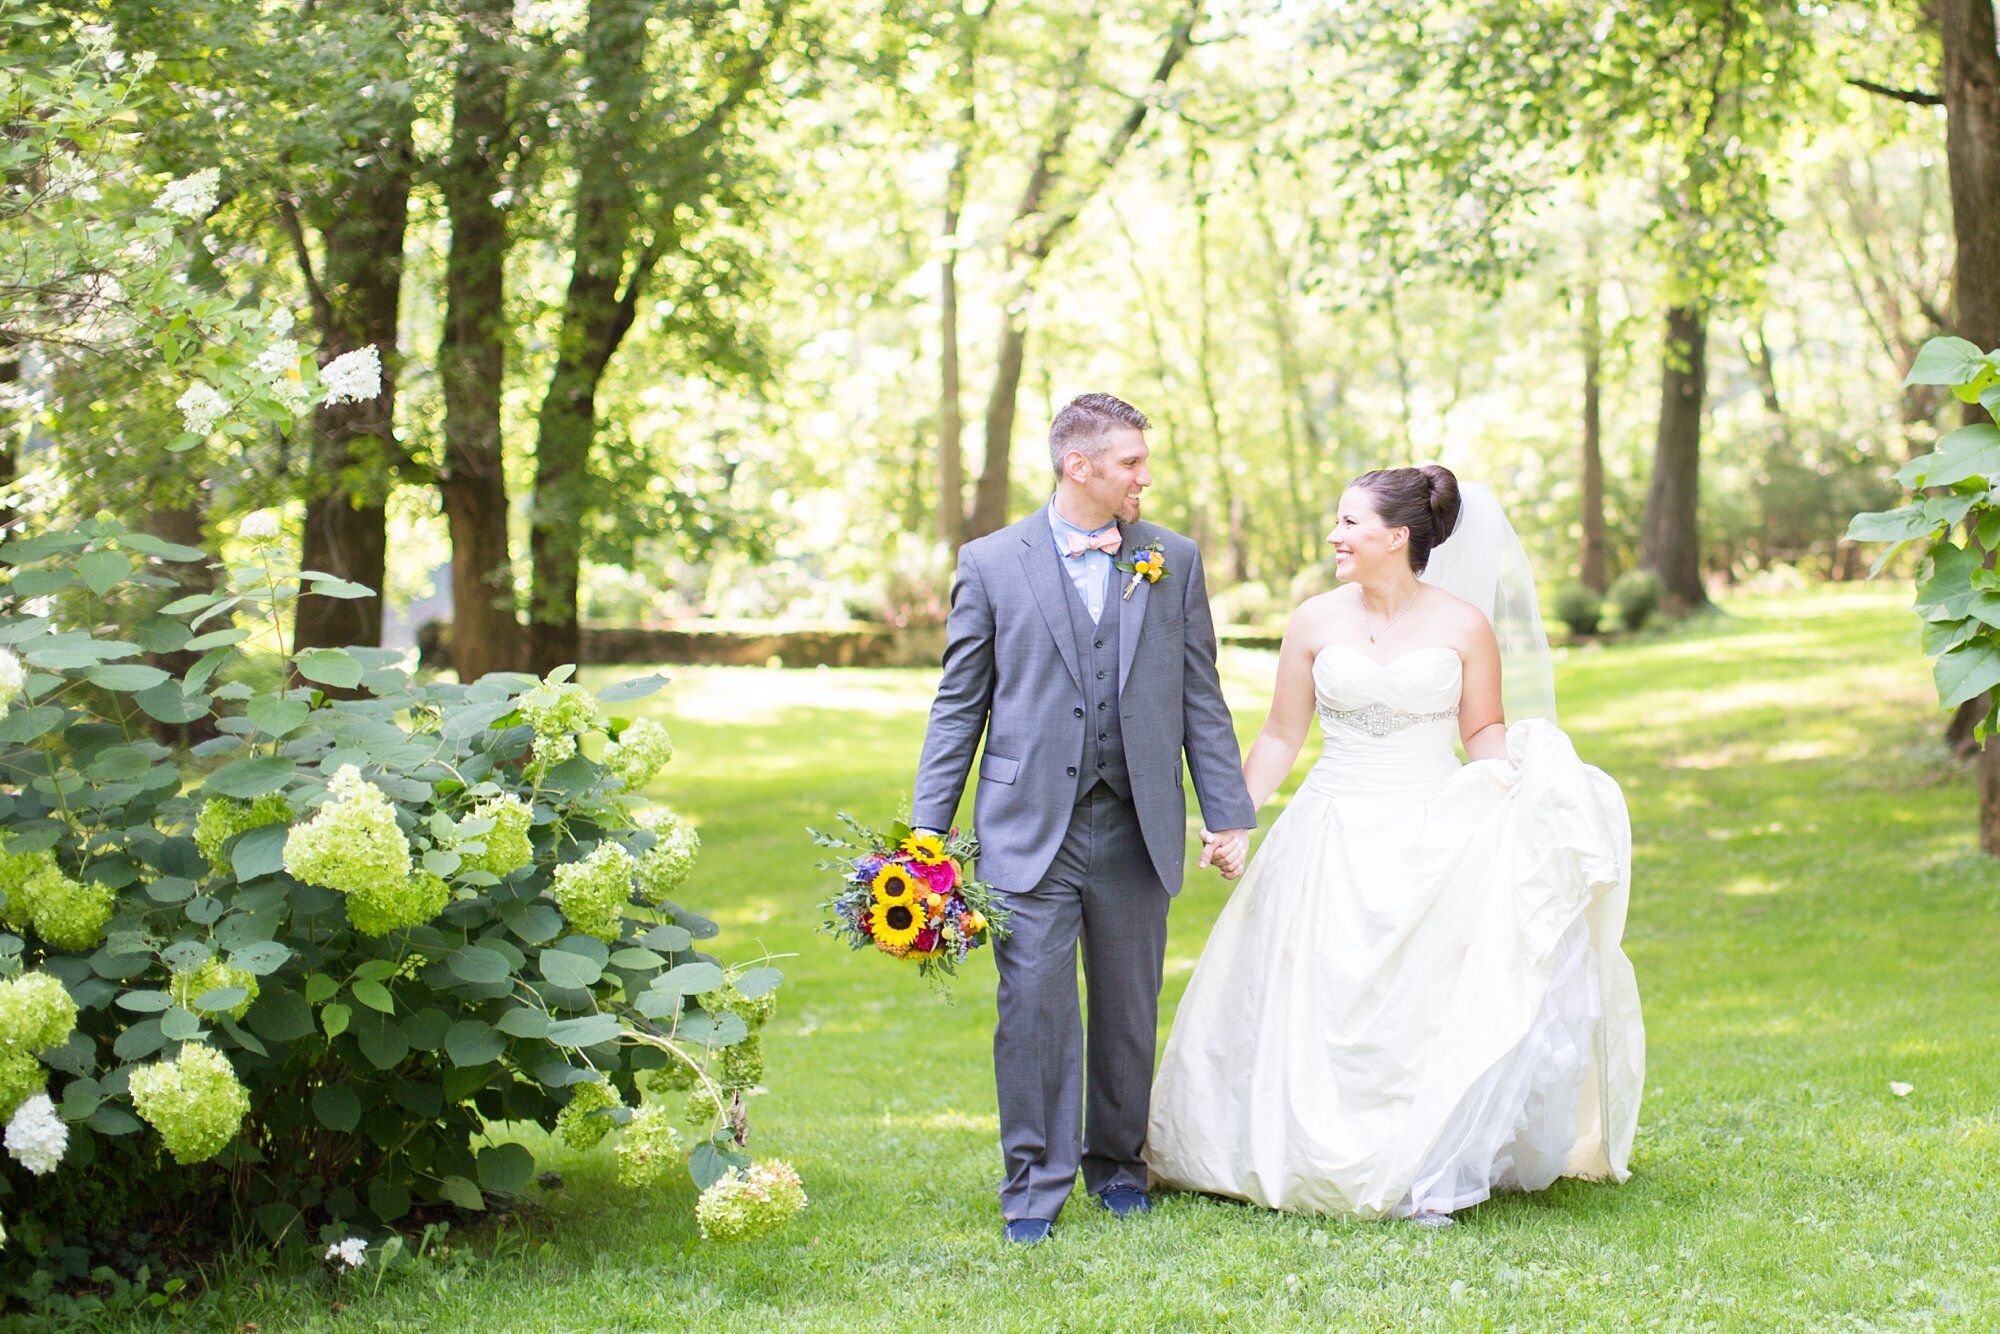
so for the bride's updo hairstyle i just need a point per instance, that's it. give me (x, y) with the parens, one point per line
(1423, 500)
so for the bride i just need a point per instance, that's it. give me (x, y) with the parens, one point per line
(1416, 995)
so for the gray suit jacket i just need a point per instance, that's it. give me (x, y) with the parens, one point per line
(1012, 672)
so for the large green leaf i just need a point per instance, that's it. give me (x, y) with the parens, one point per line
(461, 1192)
(261, 851)
(374, 995)
(566, 969)
(388, 1200)
(336, 1106)
(253, 777)
(329, 667)
(689, 979)
(381, 1039)
(276, 715)
(473, 1042)
(531, 921)
(148, 545)
(261, 959)
(587, 1031)
(170, 704)
(524, 1021)
(1947, 360)
(637, 687)
(102, 570)
(1969, 670)
(1898, 525)
(506, 1167)
(126, 676)
(477, 964)
(708, 1164)
(280, 1015)
(758, 981)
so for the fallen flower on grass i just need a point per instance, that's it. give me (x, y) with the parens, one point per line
(1900, 1089)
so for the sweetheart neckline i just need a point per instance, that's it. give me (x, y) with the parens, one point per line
(1388, 662)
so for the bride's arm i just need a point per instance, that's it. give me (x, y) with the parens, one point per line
(1284, 731)
(1482, 721)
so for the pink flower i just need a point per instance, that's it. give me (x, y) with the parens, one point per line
(927, 939)
(942, 878)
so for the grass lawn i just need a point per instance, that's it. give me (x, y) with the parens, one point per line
(1810, 921)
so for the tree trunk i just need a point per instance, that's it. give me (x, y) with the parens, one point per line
(596, 316)
(485, 636)
(1971, 91)
(1204, 362)
(951, 422)
(182, 524)
(1594, 555)
(354, 444)
(989, 506)
(1670, 534)
(10, 444)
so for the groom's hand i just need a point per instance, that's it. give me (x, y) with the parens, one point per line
(1225, 850)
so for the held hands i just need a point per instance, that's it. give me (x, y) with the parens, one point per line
(1226, 851)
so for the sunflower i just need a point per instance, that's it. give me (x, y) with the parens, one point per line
(896, 925)
(925, 848)
(894, 884)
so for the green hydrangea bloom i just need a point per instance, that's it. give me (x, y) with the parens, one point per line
(676, 1076)
(36, 1013)
(593, 893)
(187, 988)
(701, 1110)
(664, 867)
(195, 1101)
(68, 914)
(750, 1202)
(742, 1063)
(507, 845)
(557, 712)
(379, 909)
(352, 842)
(16, 870)
(223, 818)
(575, 1125)
(640, 751)
(650, 1147)
(755, 1011)
(21, 1078)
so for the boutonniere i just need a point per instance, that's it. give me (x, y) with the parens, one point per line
(1148, 563)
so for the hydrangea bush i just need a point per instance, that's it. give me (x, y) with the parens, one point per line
(317, 960)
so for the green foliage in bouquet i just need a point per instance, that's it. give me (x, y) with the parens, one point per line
(293, 974)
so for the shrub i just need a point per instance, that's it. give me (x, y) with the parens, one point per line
(1580, 607)
(291, 974)
(1636, 595)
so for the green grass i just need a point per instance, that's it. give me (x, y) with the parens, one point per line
(1810, 921)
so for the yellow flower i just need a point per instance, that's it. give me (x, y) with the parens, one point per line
(974, 921)
(895, 925)
(927, 849)
(894, 884)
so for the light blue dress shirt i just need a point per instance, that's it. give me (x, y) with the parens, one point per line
(1090, 572)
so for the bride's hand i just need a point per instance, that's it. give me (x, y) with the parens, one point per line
(1225, 851)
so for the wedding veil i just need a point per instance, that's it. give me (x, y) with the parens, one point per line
(1484, 562)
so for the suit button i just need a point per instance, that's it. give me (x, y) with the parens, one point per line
(1102, 707)
(1071, 771)
(1100, 676)
(1100, 643)
(1103, 736)
(1077, 712)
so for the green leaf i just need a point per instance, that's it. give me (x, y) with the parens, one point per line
(179, 1025)
(569, 970)
(148, 545)
(80, 1097)
(474, 1042)
(261, 959)
(524, 1021)
(260, 851)
(39, 583)
(102, 570)
(376, 970)
(669, 939)
(1968, 452)
(221, 998)
(126, 676)
(252, 777)
(635, 959)
(477, 964)
(276, 715)
(374, 995)
(215, 639)
(336, 1106)
(334, 667)
(145, 1002)
(24, 725)
(381, 1040)
(1898, 525)
(140, 1040)
(170, 704)
(1945, 361)
(280, 1015)
(328, 586)
(320, 987)
(758, 981)
(335, 1019)
(111, 1119)
(709, 1164)
(1969, 670)
(587, 1031)
(689, 979)
(533, 922)
(388, 1200)
(1949, 587)
(507, 1168)
(637, 687)
(461, 1192)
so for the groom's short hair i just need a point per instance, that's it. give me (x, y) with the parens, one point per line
(1084, 422)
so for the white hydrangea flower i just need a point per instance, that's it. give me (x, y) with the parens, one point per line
(353, 377)
(36, 1136)
(142, 64)
(201, 408)
(281, 356)
(292, 394)
(281, 322)
(192, 196)
(262, 526)
(353, 1252)
(13, 679)
(114, 61)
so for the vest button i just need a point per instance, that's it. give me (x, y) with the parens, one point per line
(1071, 771)
(1077, 712)
(1100, 643)
(1103, 736)
(1100, 676)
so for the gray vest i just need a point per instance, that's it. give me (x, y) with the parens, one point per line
(1097, 651)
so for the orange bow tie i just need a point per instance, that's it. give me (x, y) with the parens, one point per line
(1107, 541)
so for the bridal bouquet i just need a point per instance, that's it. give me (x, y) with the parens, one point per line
(908, 895)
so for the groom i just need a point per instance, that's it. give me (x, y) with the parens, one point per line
(1088, 683)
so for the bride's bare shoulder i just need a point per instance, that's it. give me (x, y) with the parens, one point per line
(1459, 618)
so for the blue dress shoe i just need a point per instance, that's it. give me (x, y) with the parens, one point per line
(1029, 1231)
(1123, 1201)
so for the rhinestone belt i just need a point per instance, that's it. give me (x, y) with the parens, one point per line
(1381, 720)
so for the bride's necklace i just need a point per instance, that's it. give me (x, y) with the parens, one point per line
(1372, 634)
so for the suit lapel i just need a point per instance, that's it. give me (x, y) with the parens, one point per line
(1132, 616)
(1052, 589)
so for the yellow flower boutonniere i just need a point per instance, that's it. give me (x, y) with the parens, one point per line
(1148, 563)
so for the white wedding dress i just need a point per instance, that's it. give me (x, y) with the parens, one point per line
(1415, 996)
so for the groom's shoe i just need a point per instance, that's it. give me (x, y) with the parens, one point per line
(1124, 1201)
(1029, 1231)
